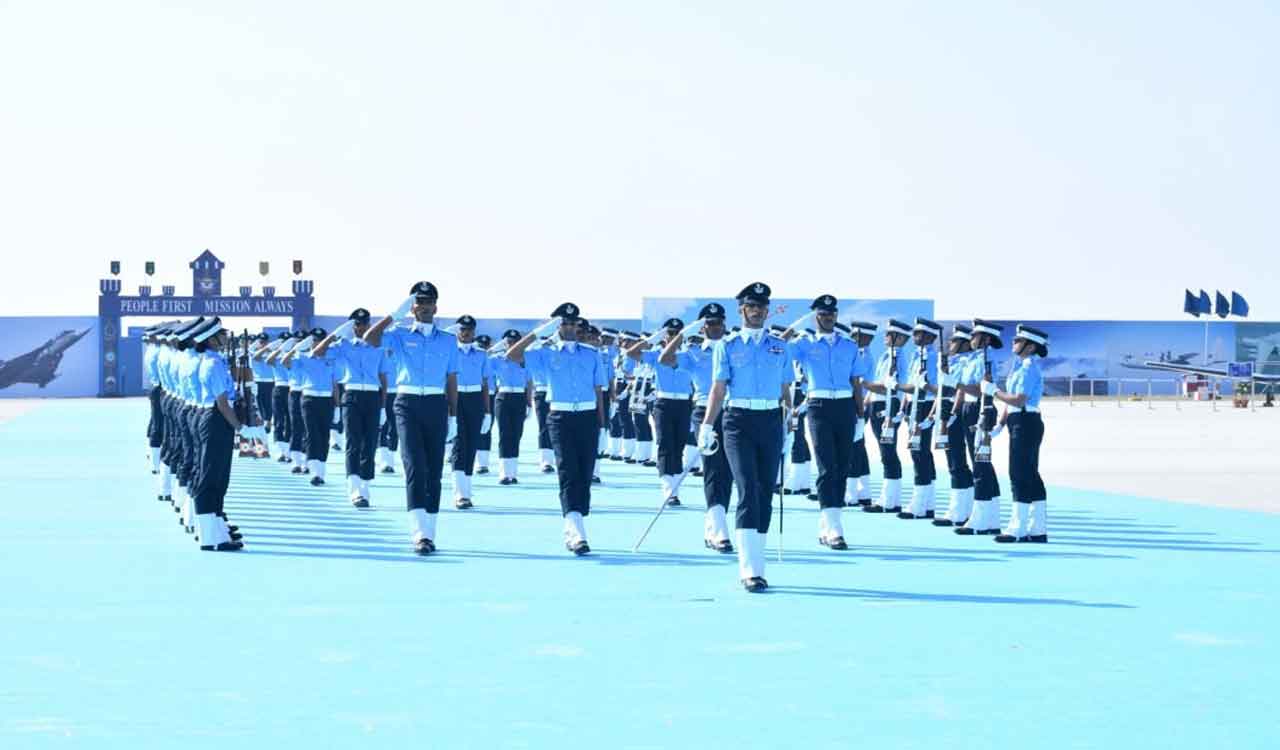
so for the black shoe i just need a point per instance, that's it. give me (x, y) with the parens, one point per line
(696, 472)
(388, 470)
(598, 457)
(628, 460)
(283, 459)
(462, 503)
(222, 547)
(837, 543)
(1038, 538)
(673, 501)
(804, 491)
(907, 516)
(514, 481)
(232, 529)
(786, 491)
(424, 547)
(989, 532)
(1009, 538)
(812, 496)
(360, 502)
(548, 469)
(755, 585)
(160, 498)
(168, 498)
(928, 514)
(296, 470)
(504, 481)
(482, 470)
(650, 464)
(316, 481)
(863, 502)
(578, 548)
(306, 470)
(153, 471)
(596, 480)
(873, 508)
(942, 522)
(236, 537)
(615, 458)
(723, 546)
(964, 531)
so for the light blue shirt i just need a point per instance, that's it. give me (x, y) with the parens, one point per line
(261, 370)
(883, 365)
(317, 372)
(928, 356)
(862, 367)
(573, 371)
(295, 370)
(696, 360)
(971, 374)
(150, 363)
(213, 379)
(1026, 378)
(357, 362)
(164, 369)
(188, 367)
(508, 374)
(826, 361)
(473, 365)
(751, 369)
(421, 359)
(537, 372)
(957, 365)
(670, 379)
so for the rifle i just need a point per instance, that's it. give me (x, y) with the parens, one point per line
(982, 431)
(244, 397)
(891, 387)
(917, 399)
(946, 397)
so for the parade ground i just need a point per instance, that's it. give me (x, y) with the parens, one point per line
(1148, 620)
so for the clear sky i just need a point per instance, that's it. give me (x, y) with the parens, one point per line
(1076, 160)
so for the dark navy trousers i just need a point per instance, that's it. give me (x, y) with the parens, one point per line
(423, 422)
(717, 478)
(361, 421)
(574, 437)
(1026, 432)
(510, 413)
(753, 445)
(831, 426)
(671, 417)
(889, 460)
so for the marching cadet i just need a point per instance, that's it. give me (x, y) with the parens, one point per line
(672, 409)
(217, 425)
(485, 442)
(514, 393)
(317, 375)
(574, 391)
(980, 419)
(1022, 391)
(858, 488)
(922, 387)
(750, 372)
(957, 431)
(828, 361)
(717, 480)
(886, 414)
(426, 405)
(364, 390)
(264, 382)
(546, 455)
(474, 414)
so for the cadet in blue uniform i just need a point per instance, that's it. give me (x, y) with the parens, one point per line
(828, 361)
(1021, 394)
(217, 424)
(717, 479)
(264, 384)
(750, 372)
(575, 379)
(623, 425)
(922, 385)
(155, 425)
(890, 375)
(799, 480)
(388, 433)
(293, 377)
(187, 372)
(475, 415)
(317, 376)
(546, 456)
(426, 379)
(858, 488)
(485, 442)
(957, 431)
(980, 412)
(514, 394)
(279, 393)
(364, 390)
(672, 408)
(642, 398)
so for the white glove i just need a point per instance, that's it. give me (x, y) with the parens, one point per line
(799, 324)
(989, 388)
(543, 328)
(995, 431)
(897, 418)
(950, 421)
(404, 308)
(344, 331)
(486, 424)
(382, 416)
(858, 427)
(655, 337)
(693, 327)
(924, 425)
(707, 440)
(613, 409)
(453, 430)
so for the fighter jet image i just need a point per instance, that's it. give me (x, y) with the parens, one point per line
(1131, 362)
(1264, 348)
(40, 365)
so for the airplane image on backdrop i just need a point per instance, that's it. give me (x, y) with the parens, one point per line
(1188, 359)
(40, 365)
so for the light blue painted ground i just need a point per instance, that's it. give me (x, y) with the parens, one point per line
(1142, 623)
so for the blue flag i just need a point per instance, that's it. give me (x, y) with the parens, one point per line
(1221, 308)
(1239, 306)
(1191, 304)
(1206, 307)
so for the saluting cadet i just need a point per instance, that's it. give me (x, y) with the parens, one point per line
(623, 425)
(364, 390)
(485, 442)
(514, 394)
(980, 419)
(886, 413)
(216, 427)
(575, 380)
(798, 477)
(957, 431)
(610, 352)
(590, 335)
(317, 376)
(858, 488)
(828, 361)
(475, 415)
(642, 398)
(717, 479)
(922, 386)
(1022, 391)
(750, 372)
(270, 356)
(546, 456)
(672, 409)
(426, 405)
(293, 376)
